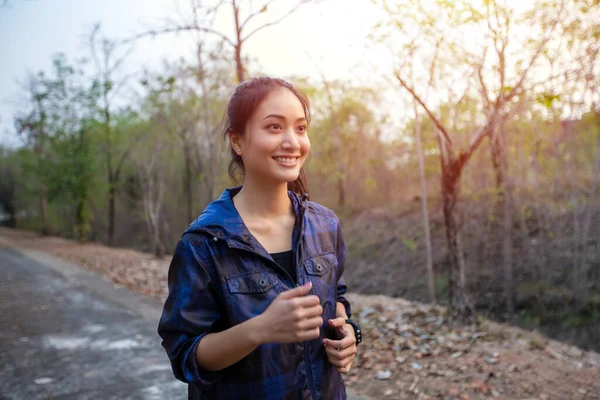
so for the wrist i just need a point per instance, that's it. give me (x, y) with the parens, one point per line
(340, 311)
(256, 332)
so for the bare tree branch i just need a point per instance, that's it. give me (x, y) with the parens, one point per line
(436, 121)
(153, 33)
(484, 89)
(290, 12)
(517, 88)
(254, 14)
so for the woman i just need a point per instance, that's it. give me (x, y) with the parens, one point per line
(255, 307)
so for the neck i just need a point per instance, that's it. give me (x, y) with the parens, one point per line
(264, 200)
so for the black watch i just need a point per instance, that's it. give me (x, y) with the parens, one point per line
(357, 330)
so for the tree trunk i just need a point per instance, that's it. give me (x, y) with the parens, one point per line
(588, 219)
(212, 156)
(212, 181)
(189, 186)
(496, 153)
(507, 224)
(111, 211)
(82, 222)
(429, 258)
(44, 209)
(241, 73)
(460, 305)
(111, 175)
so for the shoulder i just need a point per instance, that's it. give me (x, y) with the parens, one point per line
(322, 219)
(320, 211)
(195, 244)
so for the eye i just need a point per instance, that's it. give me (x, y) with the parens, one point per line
(302, 128)
(274, 126)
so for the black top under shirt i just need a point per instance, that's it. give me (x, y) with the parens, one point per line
(286, 261)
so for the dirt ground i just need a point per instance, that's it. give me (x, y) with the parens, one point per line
(410, 351)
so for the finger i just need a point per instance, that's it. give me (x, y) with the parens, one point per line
(307, 313)
(340, 344)
(296, 292)
(337, 322)
(306, 301)
(342, 353)
(346, 369)
(346, 362)
(312, 334)
(341, 363)
(311, 323)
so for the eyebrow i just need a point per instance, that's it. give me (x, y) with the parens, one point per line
(283, 118)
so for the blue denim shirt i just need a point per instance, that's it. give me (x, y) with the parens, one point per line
(220, 276)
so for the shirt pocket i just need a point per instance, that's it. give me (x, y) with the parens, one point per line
(250, 294)
(251, 283)
(322, 272)
(322, 266)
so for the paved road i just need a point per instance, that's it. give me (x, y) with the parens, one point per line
(69, 334)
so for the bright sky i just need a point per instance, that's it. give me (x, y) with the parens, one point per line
(316, 37)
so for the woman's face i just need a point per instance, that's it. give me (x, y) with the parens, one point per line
(275, 144)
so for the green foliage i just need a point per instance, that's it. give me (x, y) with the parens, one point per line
(441, 285)
(529, 319)
(410, 244)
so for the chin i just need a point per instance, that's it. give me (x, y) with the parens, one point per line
(287, 178)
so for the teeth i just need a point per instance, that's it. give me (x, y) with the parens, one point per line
(286, 160)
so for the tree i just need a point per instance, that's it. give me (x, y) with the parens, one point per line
(8, 187)
(244, 16)
(108, 65)
(32, 126)
(347, 132)
(582, 37)
(70, 120)
(430, 30)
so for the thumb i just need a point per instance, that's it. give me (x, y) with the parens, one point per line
(336, 323)
(297, 291)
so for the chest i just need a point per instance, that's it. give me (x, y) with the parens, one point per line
(274, 236)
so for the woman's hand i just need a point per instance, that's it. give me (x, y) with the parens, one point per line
(292, 317)
(341, 352)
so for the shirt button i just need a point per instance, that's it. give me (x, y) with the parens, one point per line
(262, 283)
(319, 268)
(215, 239)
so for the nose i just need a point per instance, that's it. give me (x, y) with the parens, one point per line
(290, 140)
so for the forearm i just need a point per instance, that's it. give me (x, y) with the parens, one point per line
(217, 351)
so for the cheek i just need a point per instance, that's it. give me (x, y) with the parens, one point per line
(305, 145)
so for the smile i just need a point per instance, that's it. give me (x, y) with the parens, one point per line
(286, 160)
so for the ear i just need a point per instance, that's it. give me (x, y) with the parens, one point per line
(236, 141)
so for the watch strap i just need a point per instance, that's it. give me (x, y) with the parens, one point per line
(357, 330)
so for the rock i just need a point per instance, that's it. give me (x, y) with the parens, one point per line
(383, 375)
(437, 373)
(457, 354)
(491, 360)
(400, 359)
(415, 365)
(366, 312)
(511, 368)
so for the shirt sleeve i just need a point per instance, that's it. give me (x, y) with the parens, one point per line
(190, 313)
(341, 257)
